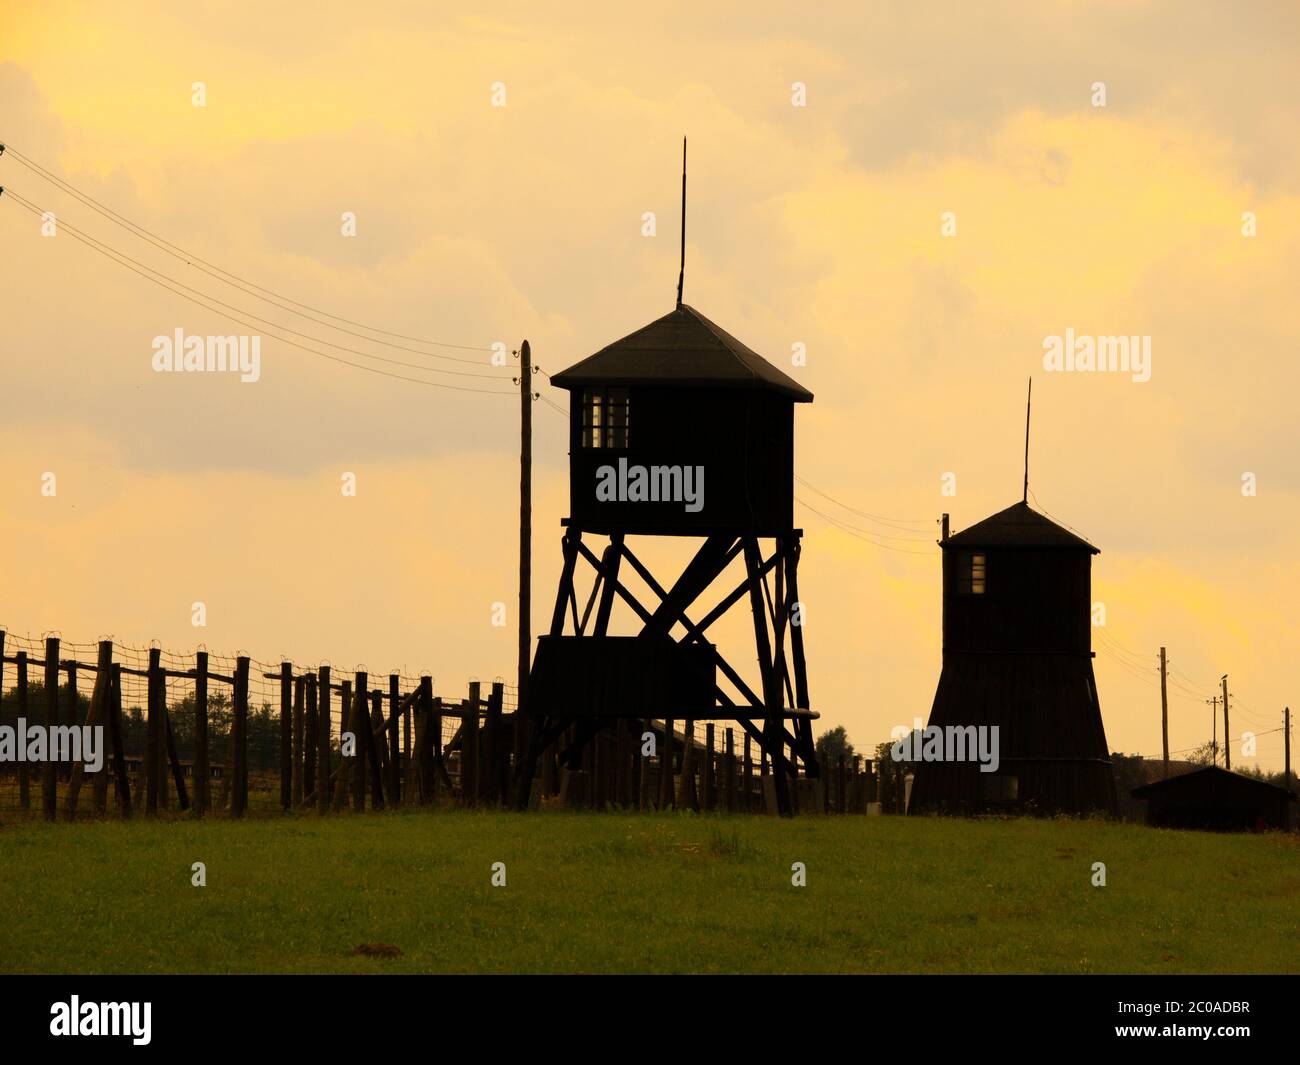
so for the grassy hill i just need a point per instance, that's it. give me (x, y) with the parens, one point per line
(644, 893)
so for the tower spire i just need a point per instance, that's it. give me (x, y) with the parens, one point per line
(1028, 402)
(681, 274)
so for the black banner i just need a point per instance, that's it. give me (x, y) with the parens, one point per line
(874, 1013)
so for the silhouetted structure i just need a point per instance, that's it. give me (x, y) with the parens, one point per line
(1017, 655)
(1218, 800)
(678, 429)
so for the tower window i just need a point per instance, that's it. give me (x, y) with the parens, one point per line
(604, 417)
(974, 573)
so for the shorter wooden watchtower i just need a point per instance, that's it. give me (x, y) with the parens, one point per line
(1017, 654)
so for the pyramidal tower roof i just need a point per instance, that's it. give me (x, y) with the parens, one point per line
(1018, 526)
(683, 348)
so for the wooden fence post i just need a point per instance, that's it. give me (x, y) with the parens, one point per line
(164, 788)
(377, 749)
(425, 737)
(343, 786)
(408, 747)
(99, 786)
(95, 717)
(178, 774)
(310, 741)
(239, 731)
(119, 748)
(24, 776)
(729, 764)
(299, 725)
(71, 667)
(202, 765)
(687, 795)
(469, 775)
(710, 773)
(414, 781)
(394, 746)
(666, 791)
(153, 735)
(286, 736)
(747, 802)
(358, 724)
(321, 767)
(439, 759)
(495, 754)
(49, 780)
(841, 797)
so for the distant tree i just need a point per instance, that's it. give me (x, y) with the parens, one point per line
(890, 772)
(1203, 755)
(833, 745)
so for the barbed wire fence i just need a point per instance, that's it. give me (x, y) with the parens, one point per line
(149, 731)
(220, 733)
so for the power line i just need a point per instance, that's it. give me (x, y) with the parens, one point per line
(872, 532)
(86, 238)
(1101, 632)
(226, 276)
(856, 532)
(1054, 518)
(170, 285)
(1190, 680)
(895, 523)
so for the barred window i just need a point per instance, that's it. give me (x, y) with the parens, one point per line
(604, 417)
(974, 573)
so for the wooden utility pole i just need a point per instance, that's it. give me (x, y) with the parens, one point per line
(1164, 706)
(522, 731)
(1227, 735)
(1286, 745)
(1214, 729)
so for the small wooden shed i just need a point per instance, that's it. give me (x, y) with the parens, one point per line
(1217, 800)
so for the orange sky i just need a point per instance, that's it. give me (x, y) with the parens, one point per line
(816, 225)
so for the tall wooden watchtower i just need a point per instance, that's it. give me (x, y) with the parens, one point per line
(677, 430)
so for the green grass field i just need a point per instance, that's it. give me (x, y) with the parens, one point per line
(643, 893)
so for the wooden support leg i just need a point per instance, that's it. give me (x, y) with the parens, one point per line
(771, 688)
(803, 728)
(545, 732)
